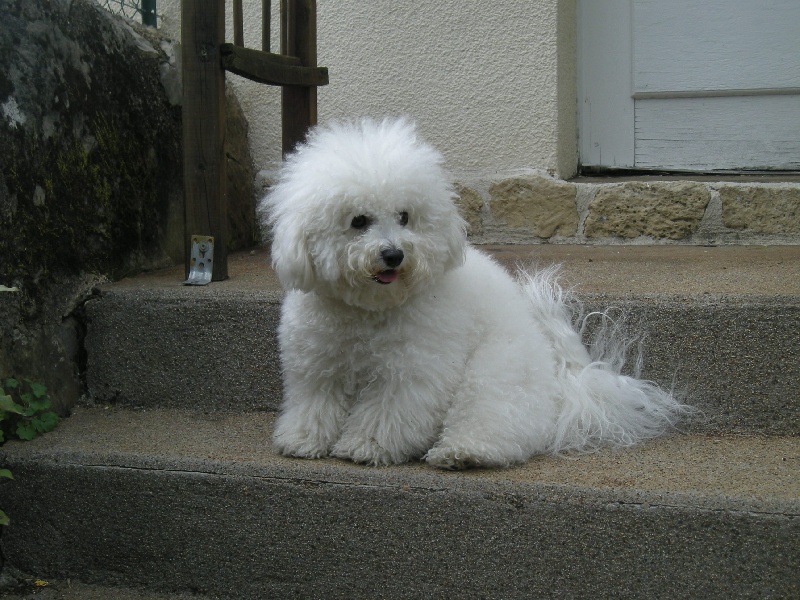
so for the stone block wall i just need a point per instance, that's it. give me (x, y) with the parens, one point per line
(537, 208)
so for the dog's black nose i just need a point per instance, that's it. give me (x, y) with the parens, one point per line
(392, 257)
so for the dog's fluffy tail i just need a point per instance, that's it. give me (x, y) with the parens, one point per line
(601, 406)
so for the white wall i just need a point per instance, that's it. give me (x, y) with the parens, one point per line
(491, 84)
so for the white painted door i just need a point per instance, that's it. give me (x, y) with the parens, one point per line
(696, 85)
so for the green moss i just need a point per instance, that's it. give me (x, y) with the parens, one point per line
(78, 205)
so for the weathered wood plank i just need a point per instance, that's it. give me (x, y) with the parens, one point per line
(705, 134)
(271, 69)
(685, 45)
(206, 201)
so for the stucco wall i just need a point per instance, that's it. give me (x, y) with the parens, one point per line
(490, 84)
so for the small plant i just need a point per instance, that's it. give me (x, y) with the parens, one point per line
(24, 410)
(24, 414)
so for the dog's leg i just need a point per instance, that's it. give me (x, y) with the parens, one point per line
(309, 422)
(315, 400)
(498, 417)
(390, 424)
(491, 434)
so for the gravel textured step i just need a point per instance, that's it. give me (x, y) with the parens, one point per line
(184, 496)
(721, 323)
(26, 588)
(198, 502)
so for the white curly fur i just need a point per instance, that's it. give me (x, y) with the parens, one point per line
(443, 357)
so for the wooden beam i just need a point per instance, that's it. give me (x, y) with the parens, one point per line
(204, 179)
(298, 38)
(272, 69)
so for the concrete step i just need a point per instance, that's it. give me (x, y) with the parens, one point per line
(180, 501)
(27, 588)
(722, 327)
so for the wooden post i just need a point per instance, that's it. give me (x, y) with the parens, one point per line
(204, 179)
(238, 23)
(266, 16)
(298, 38)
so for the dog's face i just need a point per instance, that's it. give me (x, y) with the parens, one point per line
(365, 214)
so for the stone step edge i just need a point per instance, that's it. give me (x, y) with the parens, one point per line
(613, 270)
(730, 355)
(741, 474)
(15, 585)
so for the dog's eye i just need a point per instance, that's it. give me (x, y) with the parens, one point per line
(404, 218)
(359, 222)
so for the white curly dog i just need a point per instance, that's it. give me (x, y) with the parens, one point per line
(399, 341)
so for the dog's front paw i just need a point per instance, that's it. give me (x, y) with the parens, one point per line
(451, 459)
(300, 448)
(304, 435)
(367, 451)
(299, 442)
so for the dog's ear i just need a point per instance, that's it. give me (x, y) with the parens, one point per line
(456, 237)
(291, 257)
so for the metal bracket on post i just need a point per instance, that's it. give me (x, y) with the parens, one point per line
(201, 260)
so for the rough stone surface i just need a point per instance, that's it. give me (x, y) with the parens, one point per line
(90, 175)
(707, 511)
(763, 209)
(180, 500)
(471, 204)
(734, 359)
(213, 350)
(545, 207)
(721, 325)
(21, 586)
(48, 347)
(91, 152)
(240, 177)
(669, 210)
(91, 179)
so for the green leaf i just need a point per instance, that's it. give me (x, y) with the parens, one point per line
(4, 520)
(39, 390)
(36, 406)
(47, 422)
(43, 423)
(11, 383)
(26, 431)
(5, 473)
(7, 404)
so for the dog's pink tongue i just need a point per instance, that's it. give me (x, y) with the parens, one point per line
(387, 276)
